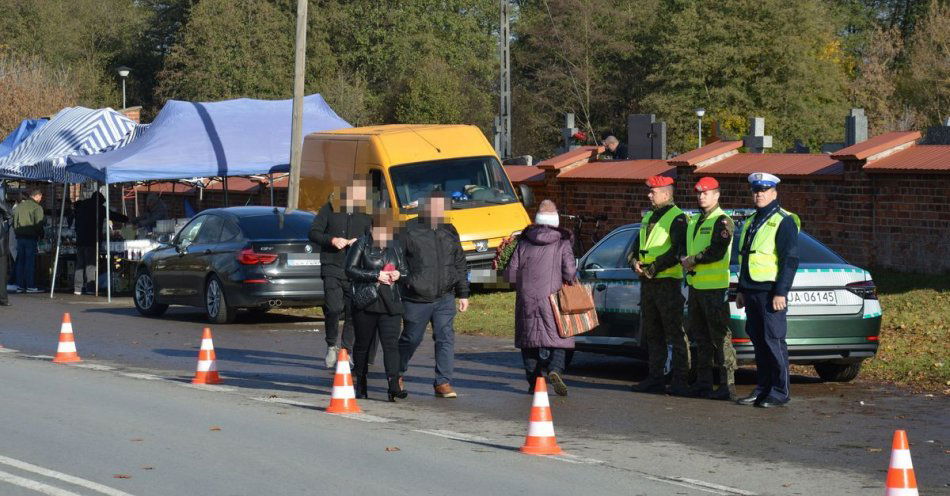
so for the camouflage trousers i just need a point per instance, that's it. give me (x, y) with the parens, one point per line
(707, 325)
(661, 314)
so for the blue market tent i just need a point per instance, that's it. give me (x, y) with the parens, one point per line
(26, 128)
(219, 139)
(73, 131)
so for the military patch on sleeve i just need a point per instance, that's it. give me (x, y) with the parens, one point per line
(725, 234)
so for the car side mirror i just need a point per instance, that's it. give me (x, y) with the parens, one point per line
(527, 195)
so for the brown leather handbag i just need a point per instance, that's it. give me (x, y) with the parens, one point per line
(575, 298)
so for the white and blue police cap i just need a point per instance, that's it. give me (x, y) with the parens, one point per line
(763, 180)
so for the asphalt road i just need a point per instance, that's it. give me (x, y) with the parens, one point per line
(826, 442)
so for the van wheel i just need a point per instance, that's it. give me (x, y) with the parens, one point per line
(216, 304)
(838, 372)
(145, 296)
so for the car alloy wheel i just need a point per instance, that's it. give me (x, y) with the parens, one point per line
(213, 298)
(145, 292)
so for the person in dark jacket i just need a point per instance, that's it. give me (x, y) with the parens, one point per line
(541, 263)
(375, 264)
(335, 232)
(90, 219)
(437, 275)
(155, 210)
(28, 220)
(6, 218)
(615, 149)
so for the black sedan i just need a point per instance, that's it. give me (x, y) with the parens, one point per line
(256, 258)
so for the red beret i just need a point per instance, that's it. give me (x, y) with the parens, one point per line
(659, 181)
(706, 184)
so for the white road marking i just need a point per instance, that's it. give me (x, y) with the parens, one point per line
(565, 457)
(34, 485)
(364, 417)
(284, 401)
(8, 350)
(700, 485)
(207, 387)
(458, 436)
(76, 481)
(92, 366)
(137, 375)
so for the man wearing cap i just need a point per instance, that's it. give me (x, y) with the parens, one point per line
(662, 242)
(708, 250)
(768, 259)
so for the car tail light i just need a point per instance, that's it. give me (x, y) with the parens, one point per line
(864, 289)
(733, 290)
(873, 338)
(741, 340)
(248, 256)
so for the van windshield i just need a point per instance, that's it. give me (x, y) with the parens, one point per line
(470, 182)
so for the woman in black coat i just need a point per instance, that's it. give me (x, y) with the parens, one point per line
(374, 263)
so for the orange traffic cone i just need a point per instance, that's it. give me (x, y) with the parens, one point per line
(343, 397)
(900, 476)
(66, 351)
(207, 372)
(540, 440)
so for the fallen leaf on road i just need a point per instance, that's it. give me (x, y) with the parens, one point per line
(148, 468)
(136, 440)
(121, 476)
(215, 428)
(392, 448)
(874, 450)
(273, 396)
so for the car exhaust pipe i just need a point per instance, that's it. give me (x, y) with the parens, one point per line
(274, 303)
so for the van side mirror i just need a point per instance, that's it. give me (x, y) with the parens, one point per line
(527, 195)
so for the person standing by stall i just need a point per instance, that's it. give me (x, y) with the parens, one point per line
(6, 216)
(90, 219)
(155, 210)
(28, 220)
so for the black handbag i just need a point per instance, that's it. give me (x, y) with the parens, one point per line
(364, 294)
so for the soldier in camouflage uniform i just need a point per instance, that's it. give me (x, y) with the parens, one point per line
(657, 262)
(708, 250)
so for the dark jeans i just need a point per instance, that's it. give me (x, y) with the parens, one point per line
(370, 325)
(25, 262)
(537, 360)
(338, 305)
(441, 314)
(85, 267)
(3, 272)
(766, 329)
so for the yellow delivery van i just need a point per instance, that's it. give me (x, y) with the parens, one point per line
(404, 163)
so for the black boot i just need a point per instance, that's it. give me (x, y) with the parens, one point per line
(650, 385)
(359, 385)
(395, 392)
(724, 393)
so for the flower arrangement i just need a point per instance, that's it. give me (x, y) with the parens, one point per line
(505, 250)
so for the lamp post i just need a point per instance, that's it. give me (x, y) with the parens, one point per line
(700, 112)
(123, 73)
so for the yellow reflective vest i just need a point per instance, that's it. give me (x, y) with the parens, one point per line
(713, 275)
(659, 242)
(762, 259)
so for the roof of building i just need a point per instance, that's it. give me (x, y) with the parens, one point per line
(524, 174)
(618, 170)
(924, 158)
(876, 145)
(577, 155)
(780, 164)
(712, 150)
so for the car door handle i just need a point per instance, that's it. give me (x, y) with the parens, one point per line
(600, 287)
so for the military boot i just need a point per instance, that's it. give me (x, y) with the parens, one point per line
(650, 385)
(702, 388)
(725, 393)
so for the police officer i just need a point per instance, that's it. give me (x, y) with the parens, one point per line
(657, 262)
(708, 250)
(768, 259)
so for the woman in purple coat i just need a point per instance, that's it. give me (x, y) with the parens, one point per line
(541, 262)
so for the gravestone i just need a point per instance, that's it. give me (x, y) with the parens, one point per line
(646, 138)
(757, 141)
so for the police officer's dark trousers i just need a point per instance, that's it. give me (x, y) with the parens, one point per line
(767, 328)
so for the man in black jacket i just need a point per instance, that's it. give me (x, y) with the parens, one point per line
(90, 218)
(6, 219)
(335, 232)
(437, 275)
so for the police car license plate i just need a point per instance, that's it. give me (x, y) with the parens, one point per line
(828, 297)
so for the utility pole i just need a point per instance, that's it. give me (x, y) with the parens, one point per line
(504, 90)
(296, 128)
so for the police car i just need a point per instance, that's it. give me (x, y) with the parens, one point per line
(834, 316)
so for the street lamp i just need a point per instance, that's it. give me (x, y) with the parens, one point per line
(700, 112)
(123, 73)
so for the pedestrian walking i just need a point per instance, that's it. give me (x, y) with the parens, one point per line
(662, 243)
(6, 219)
(375, 264)
(541, 263)
(90, 217)
(28, 223)
(768, 260)
(437, 276)
(708, 251)
(335, 232)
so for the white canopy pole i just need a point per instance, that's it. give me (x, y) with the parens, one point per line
(59, 240)
(108, 249)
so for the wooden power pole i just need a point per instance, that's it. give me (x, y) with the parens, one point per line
(504, 90)
(296, 128)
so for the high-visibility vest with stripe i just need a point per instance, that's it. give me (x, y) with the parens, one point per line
(659, 242)
(762, 259)
(713, 275)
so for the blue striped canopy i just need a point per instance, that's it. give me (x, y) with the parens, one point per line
(73, 131)
(22, 132)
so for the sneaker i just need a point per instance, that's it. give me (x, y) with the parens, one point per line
(13, 288)
(557, 384)
(332, 353)
(724, 393)
(34, 290)
(20, 290)
(445, 391)
(77, 293)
